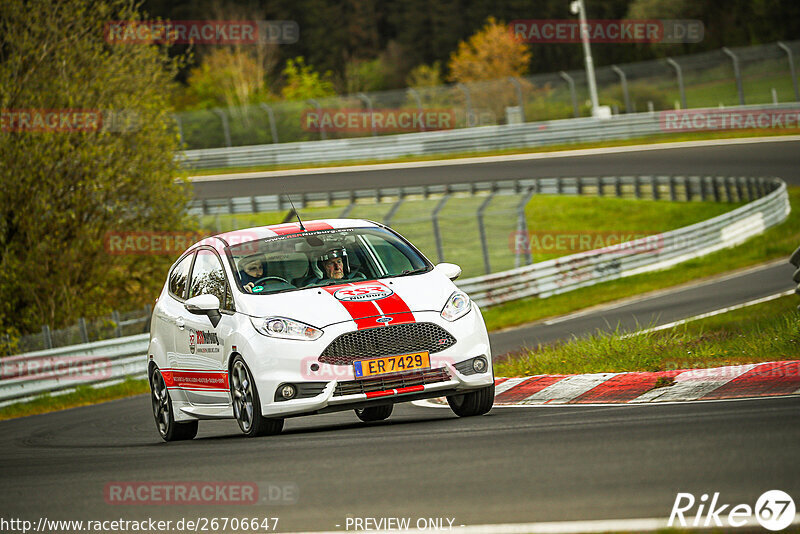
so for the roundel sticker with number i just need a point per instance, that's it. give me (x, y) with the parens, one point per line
(363, 293)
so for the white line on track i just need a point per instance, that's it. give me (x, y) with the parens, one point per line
(661, 292)
(712, 313)
(492, 159)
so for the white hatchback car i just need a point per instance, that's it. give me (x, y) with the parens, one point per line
(298, 319)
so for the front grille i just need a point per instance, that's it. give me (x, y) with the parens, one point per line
(414, 378)
(387, 341)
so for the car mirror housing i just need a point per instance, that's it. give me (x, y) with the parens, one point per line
(204, 305)
(450, 270)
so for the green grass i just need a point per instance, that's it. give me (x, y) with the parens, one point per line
(82, 396)
(651, 139)
(765, 332)
(777, 242)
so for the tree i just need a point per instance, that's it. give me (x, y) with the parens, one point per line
(490, 54)
(63, 191)
(303, 82)
(226, 78)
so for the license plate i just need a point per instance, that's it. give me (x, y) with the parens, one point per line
(392, 364)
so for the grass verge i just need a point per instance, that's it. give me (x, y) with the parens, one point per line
(82, 396)
(765, 332)
(651, 139)
(777, 242)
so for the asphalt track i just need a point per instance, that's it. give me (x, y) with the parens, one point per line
(733, 158)
(653, 310)
(513, 465)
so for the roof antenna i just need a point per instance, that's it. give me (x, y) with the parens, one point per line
(302, 228)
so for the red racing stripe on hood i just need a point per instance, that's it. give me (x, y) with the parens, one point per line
(365, 313)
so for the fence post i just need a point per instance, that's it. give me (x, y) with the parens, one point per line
(789, 54)
(46, 337)
(728, 52)
(624, 81)
(618, 187)
(673, 194)
(518, 87)
(314, 102)
(388, 219)
(636, 192)
(272, 128)
(364, 98)
(468, 108)
(84, 332)
(437, 235)
(225, 128)
(415, 94)
(482, 231)
(118, 326)
(679, 73)
(654, 187)
(522, 226)
(567, 78)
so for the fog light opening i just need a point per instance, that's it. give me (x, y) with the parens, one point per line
(288, 391)
(479, 364)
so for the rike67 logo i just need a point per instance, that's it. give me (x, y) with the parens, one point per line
(774, 510)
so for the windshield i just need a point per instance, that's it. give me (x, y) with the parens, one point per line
(314, 259)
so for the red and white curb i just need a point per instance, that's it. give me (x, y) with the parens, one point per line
(771, 379)
(729, 382)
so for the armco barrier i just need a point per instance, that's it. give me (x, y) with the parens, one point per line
(22, 376)
(483, 138)
(627, 259)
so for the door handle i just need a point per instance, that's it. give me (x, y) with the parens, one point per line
(179, 322)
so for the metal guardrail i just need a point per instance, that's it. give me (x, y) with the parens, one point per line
(643, 255)
(483, 138)
(54, 370)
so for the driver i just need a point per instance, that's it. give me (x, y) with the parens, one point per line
(251, 269)
(334, 264)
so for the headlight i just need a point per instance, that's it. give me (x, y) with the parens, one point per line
(458, 305)
(285, 328)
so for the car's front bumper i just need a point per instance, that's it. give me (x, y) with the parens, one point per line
(292, 365)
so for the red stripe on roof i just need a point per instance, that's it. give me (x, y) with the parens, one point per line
(768, 379)
(293, 228)
(623, 388)
(527, 388)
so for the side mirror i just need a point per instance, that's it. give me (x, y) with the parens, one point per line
(450, 270)
(204, 305)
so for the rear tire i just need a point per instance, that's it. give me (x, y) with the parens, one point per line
(374, 413)
(168, 428)
(476, 402)
(246, 403)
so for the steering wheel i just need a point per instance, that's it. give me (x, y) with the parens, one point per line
(258, 282)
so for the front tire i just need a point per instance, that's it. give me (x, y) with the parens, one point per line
(374, 413)
(476, 402)
(168, 428)
(246, 403)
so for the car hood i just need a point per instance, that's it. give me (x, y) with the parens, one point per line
(361, 301)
